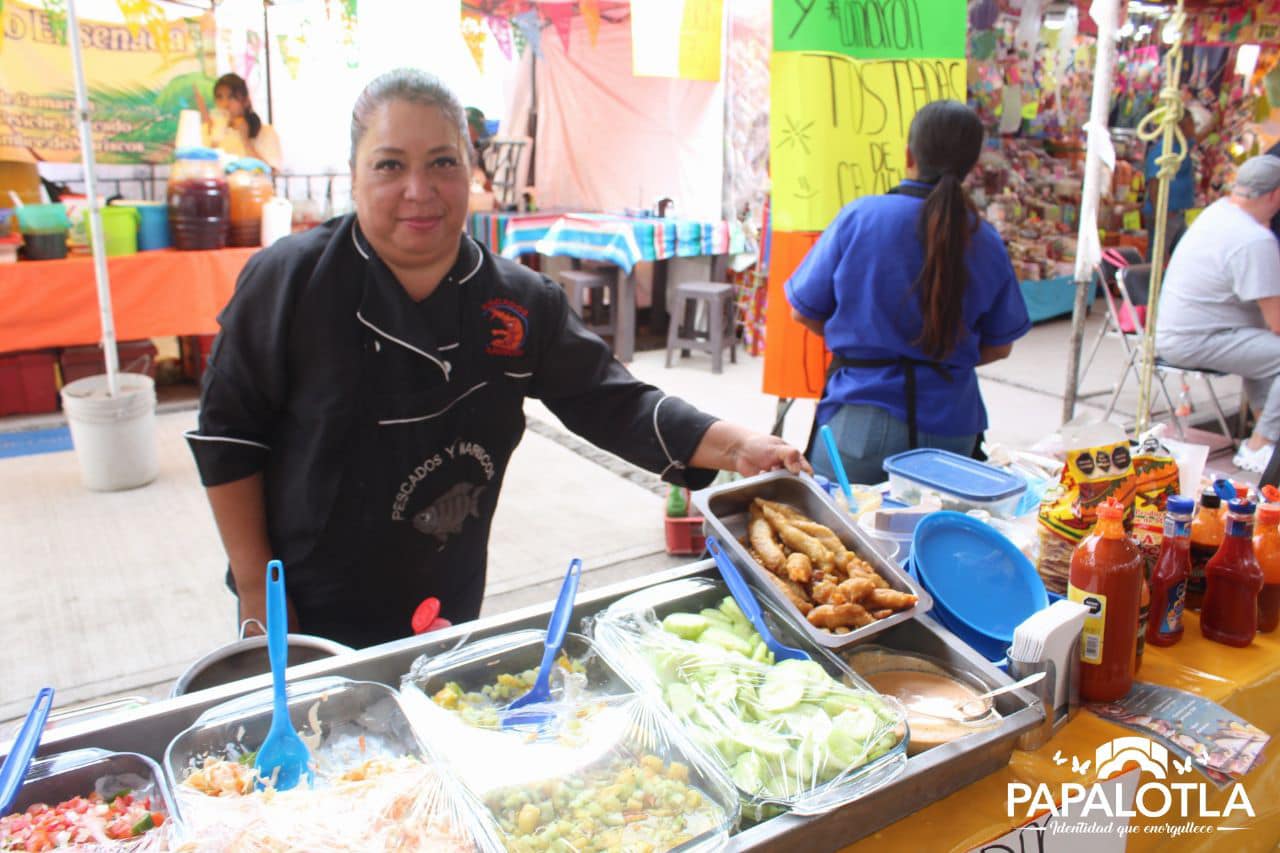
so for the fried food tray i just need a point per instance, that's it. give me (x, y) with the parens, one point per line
(725, 509)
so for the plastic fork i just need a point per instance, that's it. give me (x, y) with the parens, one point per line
(556, 630)
(283, 758)
(24, 748)
(837, 465)
(750, 607)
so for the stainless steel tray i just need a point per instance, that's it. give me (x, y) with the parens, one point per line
(928, 777)
(725, 509)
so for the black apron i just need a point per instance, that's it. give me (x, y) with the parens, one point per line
(909, 366)
(419, 488)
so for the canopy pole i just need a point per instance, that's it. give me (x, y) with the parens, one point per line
(109, 352)
(1106, 14)
(1162, 122)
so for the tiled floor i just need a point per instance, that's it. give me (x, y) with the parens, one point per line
(119, 593)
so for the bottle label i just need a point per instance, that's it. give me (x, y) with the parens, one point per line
(1239, 526)
(1095, 622)
(1171, 613)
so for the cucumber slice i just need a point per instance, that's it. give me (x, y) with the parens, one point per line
(763, 741)
(781, 691)
(748, 773)
(680, 699)
(730, 608)
(686, 626)
(858, 723)
(723, 689)
(726, 640)
(715, 617)
(760, 653)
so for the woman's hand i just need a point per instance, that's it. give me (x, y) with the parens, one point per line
(730, 447)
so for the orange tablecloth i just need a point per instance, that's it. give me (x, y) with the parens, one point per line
(1244, 681)
(153, 294)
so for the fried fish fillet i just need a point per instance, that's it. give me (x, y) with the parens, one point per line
(832, 616)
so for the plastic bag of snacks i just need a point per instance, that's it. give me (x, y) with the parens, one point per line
(1155, 480)
(804, 735)
(1069, 512)
(92, 800)
(584, 772)
(376, 787)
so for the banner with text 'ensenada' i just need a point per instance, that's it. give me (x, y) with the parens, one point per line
(141, 74)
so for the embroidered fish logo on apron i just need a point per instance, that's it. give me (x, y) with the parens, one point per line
(446, 514)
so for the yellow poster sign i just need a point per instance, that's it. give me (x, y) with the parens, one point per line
(838, 128)
(691, 52)
(140, 78)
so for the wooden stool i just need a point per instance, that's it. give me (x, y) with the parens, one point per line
(720, 332)
(598, 282)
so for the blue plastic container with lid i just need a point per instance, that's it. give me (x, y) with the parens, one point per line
(983, 587)
(961, 482)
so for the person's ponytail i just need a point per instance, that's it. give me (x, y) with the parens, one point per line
(252, 119)
(947, 222)
(945, 141)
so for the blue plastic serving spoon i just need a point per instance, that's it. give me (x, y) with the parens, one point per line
(24, 748)
(747, 602)
(837, 464)
(283, 758)
(556, 629)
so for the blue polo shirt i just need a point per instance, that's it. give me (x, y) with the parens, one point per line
(858, 281)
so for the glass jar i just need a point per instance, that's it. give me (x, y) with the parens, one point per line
(250, 184)
(199, 200)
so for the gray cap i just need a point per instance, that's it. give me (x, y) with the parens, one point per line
(1258, 176)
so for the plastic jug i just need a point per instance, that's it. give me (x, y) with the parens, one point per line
(153, 224)
(199, 200)
(277, 220)
(250, 187)
(120, 230)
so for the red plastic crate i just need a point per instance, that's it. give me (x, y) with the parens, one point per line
(135, 357)
(28, 383)
(684, 535)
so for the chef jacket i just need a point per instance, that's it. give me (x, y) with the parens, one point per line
(383, 426)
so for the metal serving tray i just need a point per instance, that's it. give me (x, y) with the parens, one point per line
(725, 509)
(928, 777)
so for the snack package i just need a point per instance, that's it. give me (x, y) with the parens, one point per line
(376, 785)
(91, 800)
(1155, 479)
(583, 772)
(1069, 512)
(805, 735)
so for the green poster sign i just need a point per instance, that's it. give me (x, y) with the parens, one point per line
(872, 29)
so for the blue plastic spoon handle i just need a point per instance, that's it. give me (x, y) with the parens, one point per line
(277, 636)
(837, 465)
(742, 593)
(560, 618)
(24, 748)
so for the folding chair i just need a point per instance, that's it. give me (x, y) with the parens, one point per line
(1114, 325)
(1125, 313)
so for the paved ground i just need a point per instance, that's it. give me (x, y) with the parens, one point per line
(116, 594)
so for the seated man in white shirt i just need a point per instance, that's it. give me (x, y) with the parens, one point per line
(1220, 303)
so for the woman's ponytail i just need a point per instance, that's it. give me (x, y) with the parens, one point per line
(946, 224)
(945, 141)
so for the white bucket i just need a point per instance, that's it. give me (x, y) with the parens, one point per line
(277, 220)
(114, 437)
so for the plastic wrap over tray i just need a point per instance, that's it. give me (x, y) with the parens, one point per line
(595, 774)
(481, 678)
(377, 785)
(82, 772)
(726, 509)
(807, 736)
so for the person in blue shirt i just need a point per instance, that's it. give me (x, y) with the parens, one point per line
(912, 291)
(1182, 189)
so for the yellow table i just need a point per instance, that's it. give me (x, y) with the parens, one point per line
(1245, 681)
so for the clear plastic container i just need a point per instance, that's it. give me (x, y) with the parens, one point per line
(807, 736)
(961, 483)
(376, 783)
(81, 772)
(199, 200)
(599, 774)
(250, 186)
(514, 658)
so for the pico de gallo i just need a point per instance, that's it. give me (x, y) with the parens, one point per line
(94, 819)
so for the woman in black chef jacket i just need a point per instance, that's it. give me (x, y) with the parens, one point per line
(366, 390)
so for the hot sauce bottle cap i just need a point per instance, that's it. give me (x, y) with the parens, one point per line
(1269, 513)
(1241, 507)
(1179, 505)
(1210, 500)
(1111, 509)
